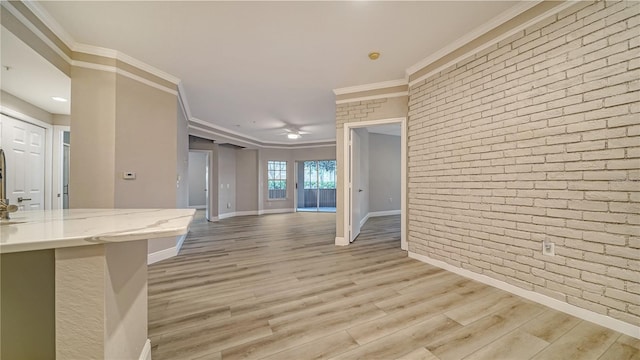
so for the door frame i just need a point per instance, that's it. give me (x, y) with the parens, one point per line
(207, 179)
(49, 198)
(58, 167)
(348, 127)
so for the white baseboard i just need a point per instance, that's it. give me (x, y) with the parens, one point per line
(161, 255)
(584, 314)
(226, 216)
(340, 241)
(364, 220)
(198, 207)
(384, 213)
(145, 354)
(275, 211)
(168, 252)
(180, 242)
(213, 219)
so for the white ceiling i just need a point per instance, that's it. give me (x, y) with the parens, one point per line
(257, 67)
(30, 77)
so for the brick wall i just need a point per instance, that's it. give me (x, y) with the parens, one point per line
(537, 139)
(376, 109)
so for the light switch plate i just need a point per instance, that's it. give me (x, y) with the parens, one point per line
(128, 175)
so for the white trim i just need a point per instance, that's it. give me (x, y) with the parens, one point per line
(485, 45)
(368, 87)
(48, 21)
(473, 34)
(364, 220)
(65, 37)
(584, 314)
(57, 186)
(146, 82)
(26, 118)
(403, 174)
(93, 66)
(160, 255)
(24, 21)
(373, 97)
(275, 211)
(198, 207)
(385, 213)
(182, 96)
(340, 241)
(239, 213)
(268, 145)
(167, 253)
(226, 215)
(145, 354)
(213, 219)
(179, 242)
(114, 69)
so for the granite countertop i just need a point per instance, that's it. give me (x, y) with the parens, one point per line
(51, 229)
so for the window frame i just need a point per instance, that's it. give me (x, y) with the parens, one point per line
(277, 172)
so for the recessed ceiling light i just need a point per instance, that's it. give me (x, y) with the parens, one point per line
(293, 136)
(374, 55)
(58, 98)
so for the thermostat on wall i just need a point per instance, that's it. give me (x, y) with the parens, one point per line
(129, 175)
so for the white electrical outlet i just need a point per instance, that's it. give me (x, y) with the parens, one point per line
(228, 205)
(548, 248)
(128, 175)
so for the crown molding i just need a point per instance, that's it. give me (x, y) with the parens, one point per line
(75, 46)
(368, 87)
(496, 40)
(373, 97)
(491, 24)
(49, 22)
(241, 138)
(24, 21)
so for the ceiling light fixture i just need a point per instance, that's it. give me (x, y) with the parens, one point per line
(293, 135)
(374, 55)
(58, 98)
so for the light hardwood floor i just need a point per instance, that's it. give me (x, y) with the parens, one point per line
(276, 287)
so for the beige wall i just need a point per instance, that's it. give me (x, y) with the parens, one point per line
(60, 119)
(93, 120)
(182, 181)
(384, 172)
(145, 143)
(27, 302)
(9, 101)
(246, 180)
(537, 139)
(360, 111)
(227, 178)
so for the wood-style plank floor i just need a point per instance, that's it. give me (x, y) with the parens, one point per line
(276, 287)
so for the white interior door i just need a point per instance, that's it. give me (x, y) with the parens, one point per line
(24, 147)
(354, 186)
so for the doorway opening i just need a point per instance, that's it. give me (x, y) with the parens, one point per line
(316, 186)
(375, 175)
(199, 180)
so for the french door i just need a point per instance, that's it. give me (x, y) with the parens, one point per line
(316, 185)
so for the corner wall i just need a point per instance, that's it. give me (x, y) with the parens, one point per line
(537, 139)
